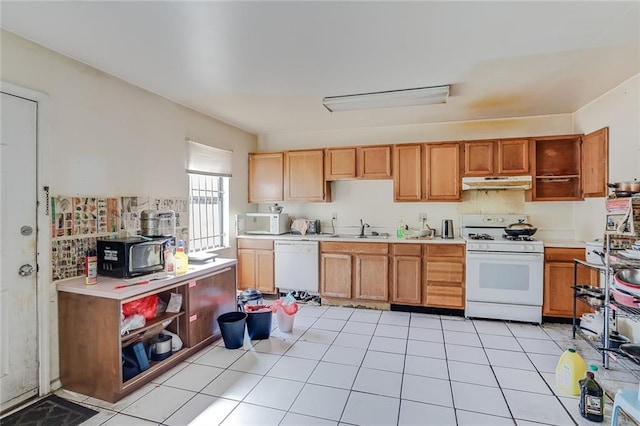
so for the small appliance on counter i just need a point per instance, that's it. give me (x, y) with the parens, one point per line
(129, 257)
(305, 226)
(158, 223)
(262, 223)
(447, 229)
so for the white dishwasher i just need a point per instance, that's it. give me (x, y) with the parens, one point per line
(296, 266)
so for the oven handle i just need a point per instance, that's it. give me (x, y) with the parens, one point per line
(505, 256)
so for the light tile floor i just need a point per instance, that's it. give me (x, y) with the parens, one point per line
(343, 366)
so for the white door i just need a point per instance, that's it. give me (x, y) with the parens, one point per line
(18, 302)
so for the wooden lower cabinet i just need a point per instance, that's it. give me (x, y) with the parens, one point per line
(335, 275)
(558, 282)
(256, 265)
(354, 271)
(406, 274)
(371, 272)
(207, 299)
(443, 275)
(91, 345)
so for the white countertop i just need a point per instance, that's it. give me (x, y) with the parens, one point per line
(106, 286)
(564, 243)
(355, 239)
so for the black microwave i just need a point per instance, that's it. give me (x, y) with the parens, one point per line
(130, 257)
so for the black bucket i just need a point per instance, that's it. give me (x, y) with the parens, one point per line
(259, 325)
(232, 328)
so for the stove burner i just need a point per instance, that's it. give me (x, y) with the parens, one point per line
(480, 237)
(517, 237)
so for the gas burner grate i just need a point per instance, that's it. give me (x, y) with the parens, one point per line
(480, 237)
(517, 237)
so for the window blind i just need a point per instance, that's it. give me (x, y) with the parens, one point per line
(207, 160)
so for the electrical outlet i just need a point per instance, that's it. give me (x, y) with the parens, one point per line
(334, 216)
(422, 216)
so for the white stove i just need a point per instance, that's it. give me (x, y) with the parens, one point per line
(504, 278)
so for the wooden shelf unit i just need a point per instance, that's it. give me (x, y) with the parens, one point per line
(91, 343)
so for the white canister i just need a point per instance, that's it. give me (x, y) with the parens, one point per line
(590, 249)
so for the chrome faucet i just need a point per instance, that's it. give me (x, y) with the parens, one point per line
(362, 226)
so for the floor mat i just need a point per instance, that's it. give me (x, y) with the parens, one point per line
(49, 411)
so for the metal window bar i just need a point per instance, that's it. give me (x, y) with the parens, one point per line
(206, 199)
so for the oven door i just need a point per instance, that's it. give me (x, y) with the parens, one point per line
(513, 278)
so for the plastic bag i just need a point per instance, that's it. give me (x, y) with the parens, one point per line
(131, 323)
(145, 306)
(176, 341)
(258, 308)
(290, 309)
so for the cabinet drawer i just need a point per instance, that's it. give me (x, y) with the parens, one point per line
(563, 254)
(341, 247)
(447, 250)
(245, 243)
(448, 297)
(444, 272)
(406, 249)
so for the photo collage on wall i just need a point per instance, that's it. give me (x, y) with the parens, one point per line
(76, 223)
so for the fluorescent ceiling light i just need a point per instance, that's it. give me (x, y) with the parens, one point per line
(389, 99)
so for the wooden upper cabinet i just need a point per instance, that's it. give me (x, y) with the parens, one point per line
(266, 175)
(304, 176)
(479, 158)
(374, 162)
(442, 172)
(340, 163)
(362, 162)
(496, 158)
(407, 172)
(595, 163)
(570, 167)
(513, 157)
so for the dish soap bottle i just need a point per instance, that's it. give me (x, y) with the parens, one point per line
(181, 260)
(591, 397)
(571, 367)
(400, 231)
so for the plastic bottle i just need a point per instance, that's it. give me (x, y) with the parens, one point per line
(591, 397)
(571, 367)
(181, 260)
(169, 261)
(91, 267)
(401, 228)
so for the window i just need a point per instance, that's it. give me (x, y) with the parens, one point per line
(209, 172)
(208, 207)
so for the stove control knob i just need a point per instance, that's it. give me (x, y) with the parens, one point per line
(500, 219)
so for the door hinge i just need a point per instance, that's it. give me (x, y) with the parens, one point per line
(47, 200)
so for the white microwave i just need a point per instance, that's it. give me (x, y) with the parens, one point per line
(262, 223)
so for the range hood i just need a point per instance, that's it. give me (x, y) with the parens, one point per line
(496, 182)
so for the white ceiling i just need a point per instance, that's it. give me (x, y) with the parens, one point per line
(265, 66)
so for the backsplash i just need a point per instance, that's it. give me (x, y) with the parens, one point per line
(76, 223)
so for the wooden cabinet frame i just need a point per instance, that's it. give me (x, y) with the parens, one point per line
(304, 176)
(358, 162)
(266, 177)
(558, 281)
(91, 344)
(256, 265)
(503, 157)
(569, 167)
(357, 271)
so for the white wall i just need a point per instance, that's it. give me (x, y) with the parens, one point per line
(619, 109)
(110, 138)
(373, 200)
